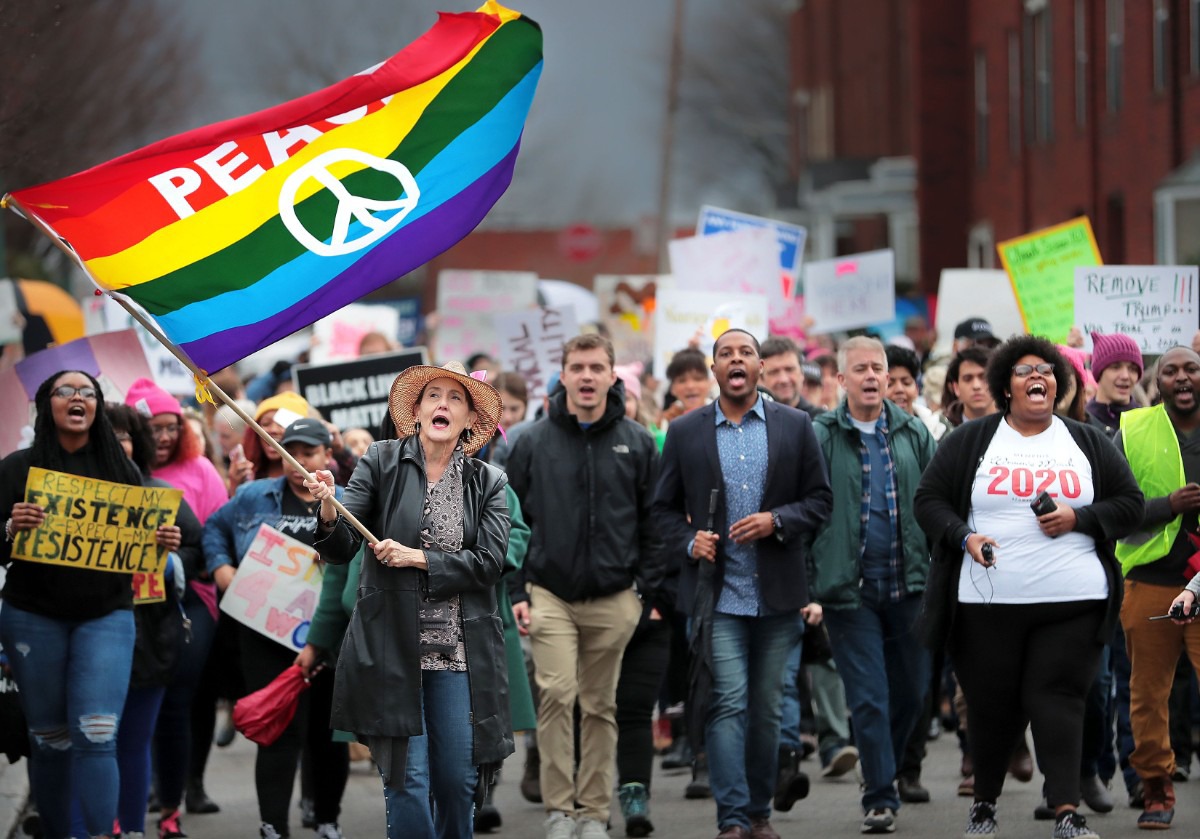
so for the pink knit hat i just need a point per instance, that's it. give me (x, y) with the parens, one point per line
(1109, 349)
(150, 400)
(1078, 359)
(629, 374)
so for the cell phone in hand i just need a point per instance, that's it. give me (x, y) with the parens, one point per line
(237, 454)
(1043, 504)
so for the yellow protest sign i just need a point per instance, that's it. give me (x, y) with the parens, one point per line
(149, 588)
(1041, 267)
(96, 524)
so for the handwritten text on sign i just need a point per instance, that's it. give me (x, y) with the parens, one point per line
(276, 588)
(1156, 305)
(1041, 266)
(531, 343)
(96, 524)
(851, 291)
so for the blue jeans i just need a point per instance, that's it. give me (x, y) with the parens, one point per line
(72, 677)
(438, 799)
(749, 658)
(886, 673)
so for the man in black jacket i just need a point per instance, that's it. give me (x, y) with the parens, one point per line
(584, 475)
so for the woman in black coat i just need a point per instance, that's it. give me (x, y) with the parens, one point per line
(421, 676)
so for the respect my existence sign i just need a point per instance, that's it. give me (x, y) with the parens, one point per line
(1155, 305)
(276, 588)
(354, 394)
(96, 524)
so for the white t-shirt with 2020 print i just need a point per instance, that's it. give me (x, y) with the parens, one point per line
(1030, 566)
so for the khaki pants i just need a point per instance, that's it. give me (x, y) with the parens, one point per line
(1154, 648)
(577, 650)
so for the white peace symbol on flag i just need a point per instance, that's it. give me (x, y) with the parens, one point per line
(349, 206)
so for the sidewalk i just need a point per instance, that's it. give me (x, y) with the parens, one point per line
(14, 792)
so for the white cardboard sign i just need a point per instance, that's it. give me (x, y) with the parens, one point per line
(531, 343)
(1156, 305)
(745, 261)
(965, 293)
(680, 315)
(851, 291)
(467, 303)
(276, 588)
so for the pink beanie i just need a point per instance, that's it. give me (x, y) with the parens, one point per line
(1109, 349)
(150, 400)
(629, 373)
(1078, 359)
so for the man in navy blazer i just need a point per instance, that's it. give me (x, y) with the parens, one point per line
(763, 459)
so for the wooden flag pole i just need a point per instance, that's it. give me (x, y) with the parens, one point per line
(203, 383)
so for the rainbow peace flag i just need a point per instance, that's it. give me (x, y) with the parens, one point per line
(235, 235)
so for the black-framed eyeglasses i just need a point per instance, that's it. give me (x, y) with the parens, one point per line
(67, 391)
(171, 430)
(1023, 370)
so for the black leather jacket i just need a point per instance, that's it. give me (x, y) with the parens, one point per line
(378, 678)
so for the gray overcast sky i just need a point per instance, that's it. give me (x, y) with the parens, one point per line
(592, 143)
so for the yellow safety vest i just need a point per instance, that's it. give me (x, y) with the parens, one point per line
(1152, 449)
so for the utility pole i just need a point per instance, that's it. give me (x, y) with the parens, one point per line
(674, 60)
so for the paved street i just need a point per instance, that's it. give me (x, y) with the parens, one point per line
(830, 812)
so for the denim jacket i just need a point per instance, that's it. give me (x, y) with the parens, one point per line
(229, 532)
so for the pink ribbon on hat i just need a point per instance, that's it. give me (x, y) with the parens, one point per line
(481, 376)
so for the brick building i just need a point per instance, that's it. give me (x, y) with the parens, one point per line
(1011, 114)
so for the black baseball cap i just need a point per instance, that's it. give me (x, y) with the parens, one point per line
(309, 431)
(974, 329)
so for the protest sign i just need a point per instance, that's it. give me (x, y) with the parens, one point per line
(276, 588)
(149, 587)
(851, 291)
(531, 344)
(745, 261)
(354, 394)
(96, 524)
(1041, 267)
(1155, 305)
(680, 316)
(10, 314)
(103, 314)
(965, 293)
(626, 304)
(466, 303)
(337, 336)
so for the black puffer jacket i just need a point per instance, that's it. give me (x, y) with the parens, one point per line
(586, 494)
(377, 688)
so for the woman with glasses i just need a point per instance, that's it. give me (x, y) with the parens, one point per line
(177, 458)
(68, 632)
(1022, 508)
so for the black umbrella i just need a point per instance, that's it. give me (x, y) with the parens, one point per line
(700, 672)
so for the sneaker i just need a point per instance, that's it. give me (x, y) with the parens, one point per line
(843, 760)
(635, 809)
(267, 831)
(1181, 774)
(982, 820)
(1159, 804)
(592, 829)
(328, 830)
(1071, 825)
(560, 826)
(880, 820)
(169, 828)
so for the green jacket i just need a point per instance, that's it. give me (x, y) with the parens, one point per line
(834, 572)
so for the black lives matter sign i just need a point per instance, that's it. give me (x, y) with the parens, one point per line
(354, 394)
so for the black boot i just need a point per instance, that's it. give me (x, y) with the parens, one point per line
(679, 756)
(699, 787)
(197, 799)
(791, 784)
(487, 817)
(531, 781)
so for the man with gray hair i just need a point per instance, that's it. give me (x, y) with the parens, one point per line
(867, 568)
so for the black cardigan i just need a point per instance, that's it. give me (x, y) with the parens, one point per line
(943, 502)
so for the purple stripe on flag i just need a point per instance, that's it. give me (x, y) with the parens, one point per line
(409, 247)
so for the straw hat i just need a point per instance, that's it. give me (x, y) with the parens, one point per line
(485, 400)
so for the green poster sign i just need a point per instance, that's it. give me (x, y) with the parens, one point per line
(1041, 267)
